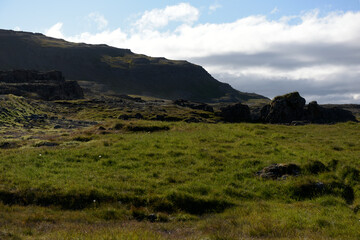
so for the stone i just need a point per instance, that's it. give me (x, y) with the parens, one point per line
(280, 170)
(235, 113)
(317, 114)
(284, 109)
(291, 109)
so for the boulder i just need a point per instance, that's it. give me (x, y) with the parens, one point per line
(276, 171)
(317, 114)
(284, 109)
(236, 113)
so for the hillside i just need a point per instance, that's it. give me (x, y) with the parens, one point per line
(119, 70)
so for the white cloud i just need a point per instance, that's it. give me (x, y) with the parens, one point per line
(112, 38)
(275, 10)
(157, 18)
(318, 55)
(213, 7)
(17, 28)
(55, 31)
(99, 19)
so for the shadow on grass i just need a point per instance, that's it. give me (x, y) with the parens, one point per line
(309, 189)
(74, 200)
(147, 128)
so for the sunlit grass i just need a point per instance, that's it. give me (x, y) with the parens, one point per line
(196, 178)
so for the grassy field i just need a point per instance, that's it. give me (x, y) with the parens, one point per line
(157, 180)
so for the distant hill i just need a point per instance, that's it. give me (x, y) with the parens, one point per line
(119, 70)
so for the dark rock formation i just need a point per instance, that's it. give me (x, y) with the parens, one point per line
(276, 171)
(284, 109)
(317, 114)
(236, 113)
(43, 85)
(194, 105)
(353, 108)
(291, 109)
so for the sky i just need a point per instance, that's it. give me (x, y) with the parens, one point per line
(270, 47)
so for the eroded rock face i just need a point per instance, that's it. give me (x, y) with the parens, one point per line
(21, 76)
(236, 113)
(284, 109)
(317, 114)
(42, 85)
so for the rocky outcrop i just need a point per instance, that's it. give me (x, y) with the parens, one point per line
(290, 108)
(284, 109)
(236, 113)
(280, 170)
(47, 86)
(317, 114)
(194, 105)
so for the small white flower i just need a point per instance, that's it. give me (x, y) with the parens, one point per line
(99, 156)
(40, 155)
(94, 201)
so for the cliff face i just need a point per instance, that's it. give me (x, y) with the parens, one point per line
(43, 85)
(119, 70)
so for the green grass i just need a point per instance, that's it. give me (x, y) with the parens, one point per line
(13, 110)
(127, 61)
(197, 181)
